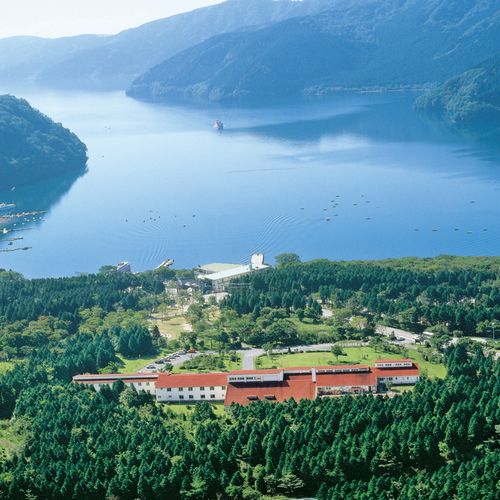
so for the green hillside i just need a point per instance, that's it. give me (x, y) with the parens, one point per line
(33, 147)
(470, 98)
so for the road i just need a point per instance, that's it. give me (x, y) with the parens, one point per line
(248, 358)
(388, 331)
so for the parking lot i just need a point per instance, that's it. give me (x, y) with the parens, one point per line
(175, 359)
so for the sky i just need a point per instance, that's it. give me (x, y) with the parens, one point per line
(53, 18)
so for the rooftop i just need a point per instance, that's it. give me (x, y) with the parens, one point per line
(397, 372)
(346, 379)
(257, 372)
(191, 380)
(234, 272)
(217, 267)
(292, 387)
(90, 377)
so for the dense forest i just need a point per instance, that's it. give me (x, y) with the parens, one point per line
(34, 313)
(457, 295)
(438, 442)
(462, 294)
(33, 147)
(472, 98)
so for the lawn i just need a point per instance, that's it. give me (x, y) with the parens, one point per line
(187, 409)
(354, 355)
(171, 327)
(306, 327)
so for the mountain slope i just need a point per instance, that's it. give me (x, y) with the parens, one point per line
(470, 98)
(33, 147)
(115, 61)
(368, 43)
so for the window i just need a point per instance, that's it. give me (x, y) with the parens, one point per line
(181, 397)
(202, 388)
(181, 389)
(212, 388)
(190, 388)
(140, 383)
(169, 389)
(223, 387)
(212, 396)
(191, 396)
(202, 396)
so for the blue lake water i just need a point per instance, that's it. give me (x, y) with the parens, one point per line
(162, 184)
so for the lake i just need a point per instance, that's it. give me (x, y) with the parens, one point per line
(349, 177)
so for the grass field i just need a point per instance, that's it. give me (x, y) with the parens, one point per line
(354, 355)
(187, 409)
(305, 327)
(171, 327)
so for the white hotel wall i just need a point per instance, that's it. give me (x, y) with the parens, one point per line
(138, 386)
(410, 380)
(187, 394)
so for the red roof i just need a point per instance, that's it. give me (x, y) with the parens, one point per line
(346, 379)
(256, 372)
(191, 380)
(296, 387)
(397, 372)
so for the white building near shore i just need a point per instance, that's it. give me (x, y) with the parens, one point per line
(227, 272)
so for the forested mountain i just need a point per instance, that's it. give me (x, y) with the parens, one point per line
(472, 98)
(113, 62)
(33, 147)
(369, 43)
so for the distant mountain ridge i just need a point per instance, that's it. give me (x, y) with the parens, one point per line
(33, 147)
(353, 44)
(113, 62)
(471, 98)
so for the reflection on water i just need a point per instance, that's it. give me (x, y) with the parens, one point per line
(350, 177)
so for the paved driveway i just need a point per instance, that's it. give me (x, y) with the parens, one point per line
(387, 331)
(174, 362)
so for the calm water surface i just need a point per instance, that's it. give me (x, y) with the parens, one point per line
(351, 177)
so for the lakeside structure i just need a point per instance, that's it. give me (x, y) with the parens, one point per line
(219, 275)
(279, 384)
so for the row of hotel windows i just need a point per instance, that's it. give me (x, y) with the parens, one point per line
(223, 387)
(398, 378)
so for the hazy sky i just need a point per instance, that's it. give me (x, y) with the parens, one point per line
(70, 17)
